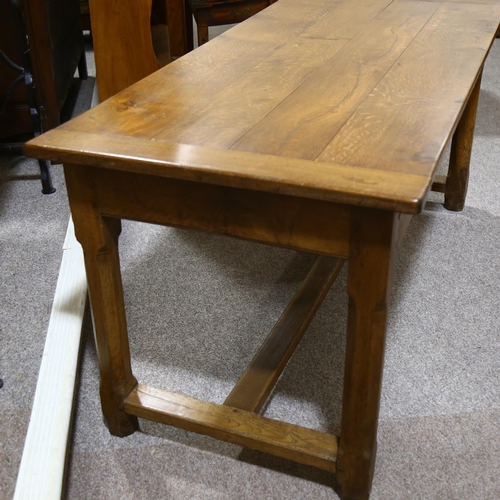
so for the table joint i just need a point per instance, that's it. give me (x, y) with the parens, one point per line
(293, 442)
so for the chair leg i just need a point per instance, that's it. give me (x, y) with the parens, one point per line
(189, 25)
(47, 187)
(202, 23)
(82, 67)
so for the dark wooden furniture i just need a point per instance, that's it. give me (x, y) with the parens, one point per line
(316, 126)
(54, 32)
(176, 20)
(218, 12)
(85, 15)
(41, 44)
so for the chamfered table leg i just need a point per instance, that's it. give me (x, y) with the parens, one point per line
(98, 236)
(461, 149)
(372, 252)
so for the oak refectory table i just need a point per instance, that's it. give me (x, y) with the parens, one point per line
(315, 125)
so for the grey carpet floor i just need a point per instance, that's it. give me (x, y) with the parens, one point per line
(198, 306)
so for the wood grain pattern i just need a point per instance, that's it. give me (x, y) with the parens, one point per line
(306, 122)
(253, 388)
(144, 110)
(315, 126)
(409, 117)
(327, 182)
(387, 80)
(235, 426)
(285, 221)
(235, 109)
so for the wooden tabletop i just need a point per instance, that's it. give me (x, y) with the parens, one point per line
(342, 100)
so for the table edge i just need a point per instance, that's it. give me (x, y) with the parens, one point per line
(346, 184)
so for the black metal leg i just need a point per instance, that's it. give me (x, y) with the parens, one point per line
(189, 25)
(82, 67)
(47, 187)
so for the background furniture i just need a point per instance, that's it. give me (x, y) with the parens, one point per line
(216, 12)
(85, 15)
(130, 42)
(41, 45)
(55, 38)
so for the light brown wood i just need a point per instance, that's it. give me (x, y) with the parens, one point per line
(240, 427)
(250, 97)
(98, 236)
(409, 117)
(285, 221)
(253, 388)
(306, 122)
(304, 66)
(192, 109)
(123, 45)
(245, 170)
(316, 126)
(196, 77)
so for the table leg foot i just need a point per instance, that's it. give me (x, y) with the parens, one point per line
(117, 421)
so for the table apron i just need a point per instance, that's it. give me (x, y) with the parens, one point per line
(299, 223)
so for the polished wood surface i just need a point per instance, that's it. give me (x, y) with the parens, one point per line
(274, 174)
(222, 96)
(316, 126)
